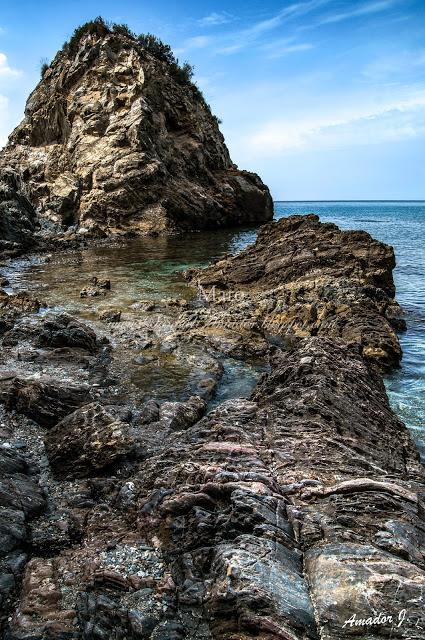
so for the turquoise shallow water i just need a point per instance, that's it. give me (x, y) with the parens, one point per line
(150, 268)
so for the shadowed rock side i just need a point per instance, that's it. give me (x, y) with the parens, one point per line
(17, 216)
(301, 278)
(295, 514)
(112, 142)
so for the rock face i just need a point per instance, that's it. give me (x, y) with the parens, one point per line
(302, 278)
(114, 140)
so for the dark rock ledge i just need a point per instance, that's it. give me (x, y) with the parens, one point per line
(280, 516)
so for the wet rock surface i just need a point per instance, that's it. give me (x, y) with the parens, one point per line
(114, 142)
(295, 513)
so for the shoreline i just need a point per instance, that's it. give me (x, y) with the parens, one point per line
(288, 481)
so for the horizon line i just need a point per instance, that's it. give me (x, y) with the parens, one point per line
(367, 200)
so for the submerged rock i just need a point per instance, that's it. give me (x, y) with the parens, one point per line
(115, 139)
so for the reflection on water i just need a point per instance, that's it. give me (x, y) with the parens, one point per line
(148, 269)
(142, 269)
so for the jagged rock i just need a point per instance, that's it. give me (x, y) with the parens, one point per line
(17, 215)
(16, 303)
(113, 140)
(104, 283)
(87, 441)
(269, 506)
(181, 415)
(300, 278)
(39, 614)
(42, 400)
(91, 292)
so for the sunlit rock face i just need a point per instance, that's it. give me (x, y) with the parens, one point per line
(113, 141)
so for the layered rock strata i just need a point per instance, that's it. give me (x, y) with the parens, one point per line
(114, 140)
(304, 278)
(297, 513)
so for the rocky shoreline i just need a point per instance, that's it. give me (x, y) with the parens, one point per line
(295, 513)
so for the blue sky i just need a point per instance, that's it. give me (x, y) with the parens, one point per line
(324, 98)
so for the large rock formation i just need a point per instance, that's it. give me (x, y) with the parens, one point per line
(116, 139)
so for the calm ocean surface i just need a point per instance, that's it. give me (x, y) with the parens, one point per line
(150, 268)
(402, 225)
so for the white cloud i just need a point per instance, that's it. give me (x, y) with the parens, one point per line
(5, 70)
(215, 19)
(363, 10)
(395, 65)
(197, 42)
(391, 122)
(233, 42)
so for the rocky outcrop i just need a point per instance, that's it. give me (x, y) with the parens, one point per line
(273, 517)
(116, 140)
(302, 278)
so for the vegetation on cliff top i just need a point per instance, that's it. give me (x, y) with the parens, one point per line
(182, 74)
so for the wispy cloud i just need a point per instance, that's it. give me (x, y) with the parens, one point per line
(392, 122)
(362, 10)
(249, 36)
(6, 70)
(278, 49)
(215, 19)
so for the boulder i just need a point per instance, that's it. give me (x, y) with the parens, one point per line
(87, 441)
(42, 400)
